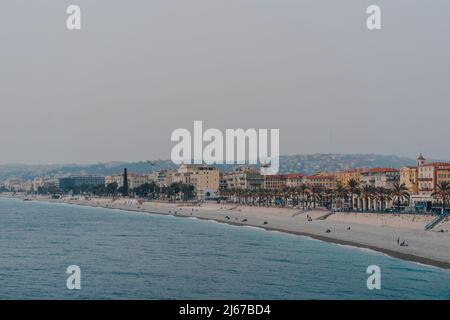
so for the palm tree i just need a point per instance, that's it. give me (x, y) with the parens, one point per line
(399, 192)
(112, 189)
(303, 190)
(381, 195)
(239, 194)
(315, 195)
(340, 195)
(442, 192)
(285, 195)
(326, 197)
(261, 195)
(367, 193)
(353, 188)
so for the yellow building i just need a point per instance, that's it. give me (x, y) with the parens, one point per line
(205, 179)
(320, 180)
(408, 176)
(343, 177)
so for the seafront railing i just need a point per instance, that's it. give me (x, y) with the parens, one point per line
(436, 221)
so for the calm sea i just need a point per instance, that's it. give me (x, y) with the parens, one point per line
(128, 255)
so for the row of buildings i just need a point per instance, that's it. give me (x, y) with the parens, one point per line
(208, 181)
(19, 185)
(421, 180)
(205, 179)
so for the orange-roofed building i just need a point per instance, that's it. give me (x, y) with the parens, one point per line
(428, 176)
(276, 182)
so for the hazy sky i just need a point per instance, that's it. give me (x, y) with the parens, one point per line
(137, 70)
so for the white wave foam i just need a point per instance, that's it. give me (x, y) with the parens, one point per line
(362, 249)
(255, 228)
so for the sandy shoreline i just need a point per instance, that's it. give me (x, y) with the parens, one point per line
(378, 232)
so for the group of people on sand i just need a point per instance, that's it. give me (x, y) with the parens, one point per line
(402, 243)
(176, 212)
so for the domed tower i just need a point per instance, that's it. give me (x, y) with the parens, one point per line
(420, 160)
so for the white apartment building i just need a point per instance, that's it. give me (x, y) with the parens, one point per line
(134, 180)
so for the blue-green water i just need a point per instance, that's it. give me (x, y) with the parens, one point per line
(127, 255)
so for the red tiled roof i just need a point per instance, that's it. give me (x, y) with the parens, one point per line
(352, 170)
(381, 170)
(274, 177)
(320, 177)
(132, 174)
(294, 176)
(436, 164)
